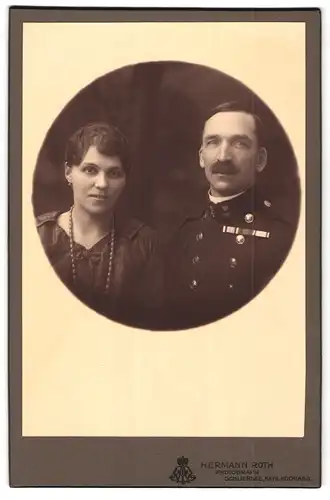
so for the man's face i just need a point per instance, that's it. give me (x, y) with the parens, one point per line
(230, 154)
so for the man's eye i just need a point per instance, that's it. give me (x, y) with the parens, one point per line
(241, 144)
(211, 142)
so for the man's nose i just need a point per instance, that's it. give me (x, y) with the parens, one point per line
(101, 181)
(224, 151)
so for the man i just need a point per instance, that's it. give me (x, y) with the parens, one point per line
(227, 252)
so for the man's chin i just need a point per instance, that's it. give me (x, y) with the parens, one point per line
(224, 189)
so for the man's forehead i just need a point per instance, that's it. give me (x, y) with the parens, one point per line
(231, 123)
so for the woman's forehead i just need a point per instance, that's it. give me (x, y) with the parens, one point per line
(102, 160)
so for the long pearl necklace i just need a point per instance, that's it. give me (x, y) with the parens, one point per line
(111, 253)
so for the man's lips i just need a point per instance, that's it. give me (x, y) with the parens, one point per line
(224, 174)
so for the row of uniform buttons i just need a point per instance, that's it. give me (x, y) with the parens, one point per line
(233, 262)
(194, 285)
(240, 239)
(196, 260)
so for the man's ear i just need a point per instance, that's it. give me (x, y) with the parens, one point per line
(262, 159)
(68, 172)
(201, 159)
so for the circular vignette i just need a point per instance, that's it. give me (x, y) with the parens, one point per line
(161, 106)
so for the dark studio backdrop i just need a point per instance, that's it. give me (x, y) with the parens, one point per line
(161, 107)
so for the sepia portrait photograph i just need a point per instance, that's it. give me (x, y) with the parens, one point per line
(215, 188)
(163, 230)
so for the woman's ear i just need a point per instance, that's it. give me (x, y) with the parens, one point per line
(68, 173)
(262, 159)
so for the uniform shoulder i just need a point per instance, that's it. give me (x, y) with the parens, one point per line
(48, 217)
(278, 208)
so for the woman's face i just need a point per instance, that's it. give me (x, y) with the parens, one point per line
(97, 182)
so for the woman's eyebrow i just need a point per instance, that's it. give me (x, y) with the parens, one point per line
(89, 164)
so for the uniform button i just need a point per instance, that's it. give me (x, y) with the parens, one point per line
(249, 218)
(193, 284)
(224, 208)
(196, 259)
(199, 236)
(231, 286)
(268, 203)
(240, 239)
(233, 262)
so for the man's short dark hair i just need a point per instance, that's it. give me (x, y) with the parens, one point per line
(244, 108)
(107, 139)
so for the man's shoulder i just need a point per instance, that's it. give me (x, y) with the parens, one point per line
(254, 204)
(276, 209)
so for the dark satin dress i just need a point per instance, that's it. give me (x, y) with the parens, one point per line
(135, 292)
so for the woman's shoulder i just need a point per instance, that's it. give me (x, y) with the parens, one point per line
(141, 235)
(135, 228)
(48, 218)
(48, 228)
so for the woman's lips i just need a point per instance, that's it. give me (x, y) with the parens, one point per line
(98, 196)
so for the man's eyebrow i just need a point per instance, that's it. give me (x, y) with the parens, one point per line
(233, 137)
(241, 136)
(212, 136)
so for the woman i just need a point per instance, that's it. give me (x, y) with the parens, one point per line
(108, 261)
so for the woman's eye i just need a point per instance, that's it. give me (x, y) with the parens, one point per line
(90, 170)
(115, 173)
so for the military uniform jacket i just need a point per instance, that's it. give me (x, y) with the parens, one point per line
(222, 257)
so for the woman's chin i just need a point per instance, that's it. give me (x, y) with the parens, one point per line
(98, 209)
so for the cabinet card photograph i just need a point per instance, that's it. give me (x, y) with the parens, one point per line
(164, 187)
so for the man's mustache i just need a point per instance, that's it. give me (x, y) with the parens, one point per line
(223, 167)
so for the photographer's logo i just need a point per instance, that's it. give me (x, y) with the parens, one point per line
(182, 473)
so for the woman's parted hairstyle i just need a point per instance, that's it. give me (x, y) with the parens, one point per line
(107, 139)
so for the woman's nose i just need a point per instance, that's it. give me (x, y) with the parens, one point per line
(101, 181)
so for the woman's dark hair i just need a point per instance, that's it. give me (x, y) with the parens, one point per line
(107, 139)
(244, 108)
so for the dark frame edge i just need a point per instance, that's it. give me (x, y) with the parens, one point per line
(15, 245)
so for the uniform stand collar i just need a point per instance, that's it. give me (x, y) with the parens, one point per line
(245, 201)
(222, 199)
